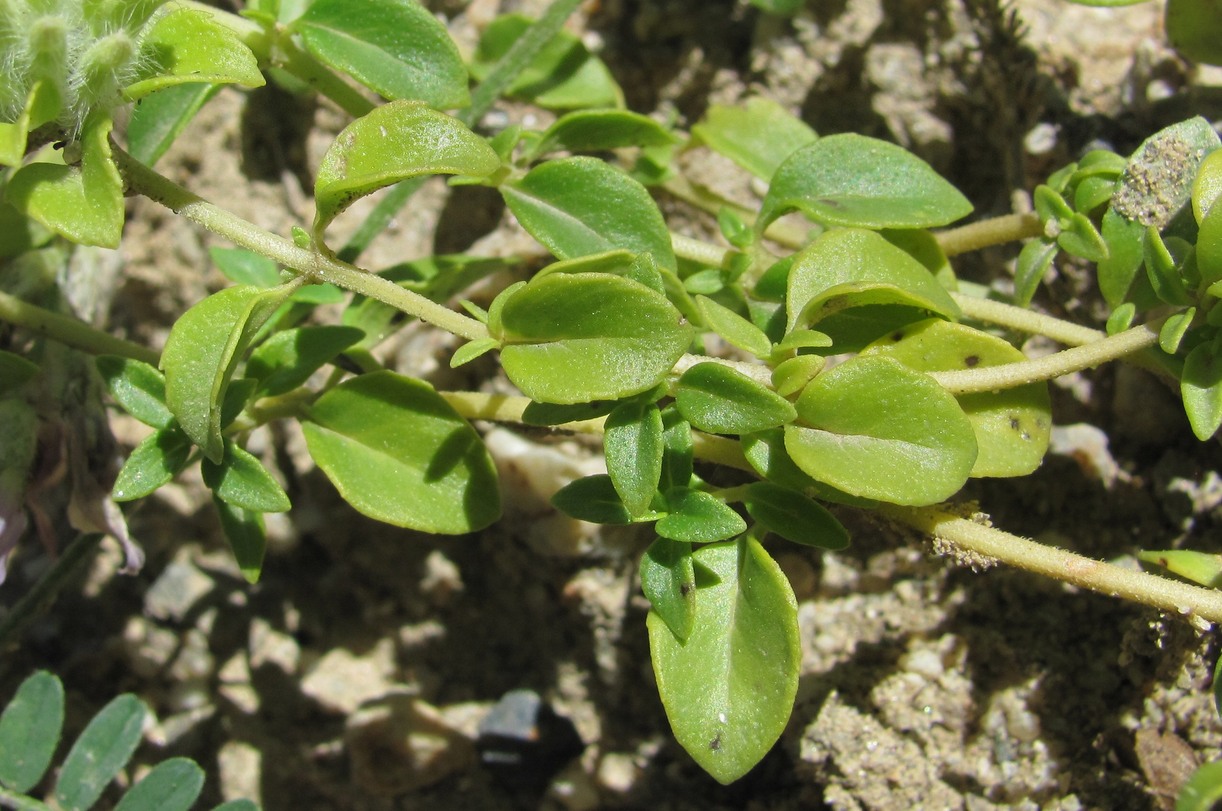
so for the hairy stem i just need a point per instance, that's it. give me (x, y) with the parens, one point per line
(994, 231)
(1024, 320)
(1075, 359)
(1059, 564)
(143, 180)
(70, 331)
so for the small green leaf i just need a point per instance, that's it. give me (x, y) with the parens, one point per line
(599, 131)
(782, 7)
(186, 45)
(42, 105)
(572, 338)
(159, 118)
(1079, 237)
(720, 400)
(556, 414)
(735, 329)
(729, 688)
(593, 499)
(397, 48)
(1013, 426)
(668, 580)
(202, 351)
(1209, 241)
(847, 268)
(852, 180)
(237, 805)
(766, 453)
(697, 517)
(874, 428)
(1199, 567)
(1201, 389)
(399, 453)
(758, 135)
(154, 462)
(241, 480)
(287, 359)
(794, 516)
(1192, 27)
(678, 450)
(581, 206)
(1203, 790)
(15, 372)
(1172, 333)
(246, 535)
(241, 266)
(472, 350)
(83, 205)
(101, 751)
(397, 141)
(1164, 271)
(632, 442)
(1207, 186)
(172, 785)
(29, 731)
(1034, 261)
(137, 387)
(1157, 181)
(1119, 275)
(791, 376)
(563, 76)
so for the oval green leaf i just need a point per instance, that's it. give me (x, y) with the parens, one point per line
(100, 752)
(601, 130)
(172, 785)
(29, 731)
(162, 116)
(697, 517)
(729, 688)
(581, 206)
(1201, 388)
(853, 180)
(287, 359)
(394, 47)
(154, 462)
(668, 580)
(241, 480)
(137, 387)
(1192, 27)
(632, 443)
(592, 498)
(188, 46)
(1012, 426)
(720, 400)
(735, 329)
(875, 428)
(758, 136)
(590, 336)
(794, 516)
(399, 453)
(1203, 790)
(397, 141)
(246, 535)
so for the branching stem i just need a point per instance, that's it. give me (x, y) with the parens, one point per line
(70, 331)
(143, 180)
(986, 233)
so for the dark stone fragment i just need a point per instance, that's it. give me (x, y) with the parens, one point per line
(523, 742)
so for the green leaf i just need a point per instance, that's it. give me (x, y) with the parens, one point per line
(591, 336)
(581, 206)
(1203, 789)
(1207, 186)
(241, 266)
(1201, 389)
(1034, 261)
(1012, 426)
(241, 480)
(1192, 27)
(678, 450)
(246, 535)
(159, 118)
(154, 462)
(794, 516)
(1172, 333)
(555, 414)
(599, 131)
(287, 359)
(399, 453)
(1157, 181)
(42, 105)
(397, 141)
(563, 76)
(1126, 251)
(137, 387)
(875, 428)
(101, 751)
(632, 442)
(729, 689)
(1164, 271)
(668, 580)
(172, 785)
(720, 400)
(851, 268)
(1209, 242)
(15, 372)
(83, 205)
(697, 517)
(1199, 567)
(396, 48)
(735, 329)
(201, 353)
(766, 453)
(853, 180)
(188, 46)
(593, 499)
(237, 805)
(791, 376)
(1079, 237)
(758, 135)
(472, 350)
(29, 731)
(787, 7)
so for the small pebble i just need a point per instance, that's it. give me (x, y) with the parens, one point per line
(524, 742)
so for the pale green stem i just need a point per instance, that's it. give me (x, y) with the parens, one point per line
(695, 250)
(705, 200)
(474, 405)
(986, 233)
(19, 802)
(1024, 320)
(1068, 567)
(70, 331)
(314, 265)
(1010, 375)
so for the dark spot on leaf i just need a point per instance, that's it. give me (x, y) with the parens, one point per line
(897, 335)
(971, 361)
(1014, 423)
(829, 202)
(715, 744)
(686, 588)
